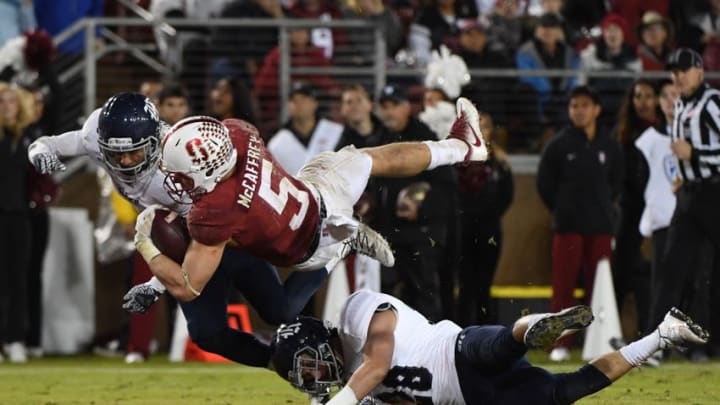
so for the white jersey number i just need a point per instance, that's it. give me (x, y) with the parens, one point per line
(408, 384)
(278, 200)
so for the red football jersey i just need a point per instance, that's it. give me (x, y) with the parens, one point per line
(267, 212)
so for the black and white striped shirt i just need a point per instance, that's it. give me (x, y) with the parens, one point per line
(697, 120)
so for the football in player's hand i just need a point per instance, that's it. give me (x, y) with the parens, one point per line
(170, 235)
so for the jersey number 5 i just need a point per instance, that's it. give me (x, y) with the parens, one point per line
(278, 200)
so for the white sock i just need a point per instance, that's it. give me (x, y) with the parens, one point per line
(637, 352)
(446, 152)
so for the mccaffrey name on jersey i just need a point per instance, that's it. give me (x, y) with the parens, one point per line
(252, 167)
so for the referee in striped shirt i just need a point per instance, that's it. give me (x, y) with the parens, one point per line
(696, 144)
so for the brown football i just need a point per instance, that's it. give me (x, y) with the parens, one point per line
(170, 235)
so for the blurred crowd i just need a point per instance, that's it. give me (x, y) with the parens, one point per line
(445, 225)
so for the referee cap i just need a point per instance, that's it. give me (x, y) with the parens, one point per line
(684, 59)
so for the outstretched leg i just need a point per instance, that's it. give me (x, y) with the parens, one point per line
(464, 144)
(495, 347)
(676, 329)
(542, 330)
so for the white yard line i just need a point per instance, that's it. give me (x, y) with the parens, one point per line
(15, 370)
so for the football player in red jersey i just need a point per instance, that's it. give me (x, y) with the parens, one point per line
(241, 197)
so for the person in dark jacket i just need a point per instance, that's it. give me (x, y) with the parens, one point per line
(16, 115)
(255, 42)
(485, 193)
(410, 212)
(579, 180)
(631, 272)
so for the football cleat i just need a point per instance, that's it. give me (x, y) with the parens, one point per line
(467, 129)
(368, 242)
(545, 329)
(678, 329)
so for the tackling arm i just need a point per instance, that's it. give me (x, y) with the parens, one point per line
(67, 144)
(377, 359)
(185, 282)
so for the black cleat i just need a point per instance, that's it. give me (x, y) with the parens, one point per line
(544, 331)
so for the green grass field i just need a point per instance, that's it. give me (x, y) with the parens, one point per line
(92, 380)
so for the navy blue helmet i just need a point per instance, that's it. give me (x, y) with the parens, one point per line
(302, 354)
(129, 135)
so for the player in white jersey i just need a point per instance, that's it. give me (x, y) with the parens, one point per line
(135, 175)
(386, 352)
(124, 137)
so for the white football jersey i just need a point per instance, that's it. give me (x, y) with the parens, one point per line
(292, 155)
(423, 363)
(659, 198)
(146, 191)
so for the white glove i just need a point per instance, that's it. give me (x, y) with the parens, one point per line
(143, 226)
(44, 160)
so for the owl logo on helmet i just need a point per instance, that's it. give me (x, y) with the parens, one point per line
(129, 136)
(197, 153)
(302, 354)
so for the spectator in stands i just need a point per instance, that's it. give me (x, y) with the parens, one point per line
(16, 115)
(659, 199)
(305, 134)
(655, 34)
(16, 17)
(150, 88)
(362, 41)
(173, 103)
(631, 272)
(490, 93)
(582, 16)
(229, 98)
(412, 212)
(303, 53)
(239, 51)
(486, 192)
(44, 93)
(609, 53)
(579, 180)
(634, 12)
(329, 40)
(445, 77)
(704, 29)
(436, 24)
(536, 9)
(548, 50)
(363, 129)
(55, 16)
(42, 191)
(504, 26)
